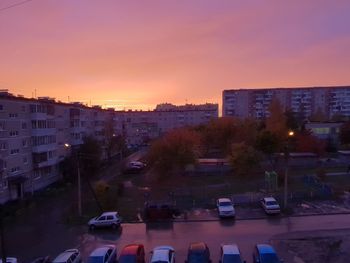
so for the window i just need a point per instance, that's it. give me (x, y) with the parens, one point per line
(15, 169)
(25, 143)
(23, 108)
(14, 151)
(3, 184)
(109, 217)
(1, 107)
(2, 126)
(13, 133)
(24, 125)
(102, 218)
(3, 146)
(13, 115)
(25, 160)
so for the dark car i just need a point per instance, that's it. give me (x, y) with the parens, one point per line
(264, 253)
(158, 211)
(133, 253)
(198, 253)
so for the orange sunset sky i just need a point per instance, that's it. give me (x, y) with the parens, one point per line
(135, 54)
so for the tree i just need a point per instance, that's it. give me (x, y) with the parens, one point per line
(244, 159)
(344, 134)
(318, 116)
(268, 143)
(306, 142)
(291, 121)
(174, 151)
(276, 122)
(219, 134)
(90, 155)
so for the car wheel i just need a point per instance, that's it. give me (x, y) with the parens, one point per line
(92, 227)
(114, 226)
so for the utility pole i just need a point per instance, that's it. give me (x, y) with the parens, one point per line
(286, 156)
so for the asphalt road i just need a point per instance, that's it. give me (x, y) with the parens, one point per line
(27, 241)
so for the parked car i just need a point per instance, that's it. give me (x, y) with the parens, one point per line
(9, 260)
(134, 166)
(158, 210)
(105, 254)
(46, 259)
(163, 254)
(270, 205)
(264, 253)
(225, 207)
(107, 219)
(198, 253)
(68, 256)
(230, 254)
(133, 253)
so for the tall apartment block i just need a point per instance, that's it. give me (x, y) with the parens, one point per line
(34, 134)
(254, 103)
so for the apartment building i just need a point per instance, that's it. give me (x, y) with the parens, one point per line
(143, 126)
(35, 133)
(254, 103)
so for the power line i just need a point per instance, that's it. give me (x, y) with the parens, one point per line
(14, 5)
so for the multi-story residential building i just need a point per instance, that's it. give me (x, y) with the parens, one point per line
(35, 133)
(254, 103)
(143, 126)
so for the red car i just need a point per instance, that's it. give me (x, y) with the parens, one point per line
(133, 253)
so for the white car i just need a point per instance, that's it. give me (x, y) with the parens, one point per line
(9, 260)
(230, 254)
(270, 205)
(163, 254)
(105, 254)
(68, 256)
(225, 207)
(107, 219)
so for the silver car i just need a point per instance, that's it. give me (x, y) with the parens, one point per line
(68, 256)
(107, 219)
(105, 254)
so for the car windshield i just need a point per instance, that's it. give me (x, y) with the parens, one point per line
(271, 203)
(127, 259)
(197, 258)
(269, 258)
(225, 204)
(95, 260)
(231, 259)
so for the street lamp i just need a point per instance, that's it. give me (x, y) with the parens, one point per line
(286, 156)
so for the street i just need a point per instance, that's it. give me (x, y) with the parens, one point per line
(27, 241)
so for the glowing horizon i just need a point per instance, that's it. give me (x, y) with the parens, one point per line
(136, 55)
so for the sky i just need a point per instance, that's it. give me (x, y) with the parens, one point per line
(136, 54)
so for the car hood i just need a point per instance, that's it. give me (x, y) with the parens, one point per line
(92, 220)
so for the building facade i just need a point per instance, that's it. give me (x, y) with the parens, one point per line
(34, 134)
(254, 103)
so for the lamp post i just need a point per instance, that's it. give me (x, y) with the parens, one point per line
(286, 156)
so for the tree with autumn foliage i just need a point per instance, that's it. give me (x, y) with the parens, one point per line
(306, 142)
(219, 134)
(276, 123)
(174, 151)
(244, 159)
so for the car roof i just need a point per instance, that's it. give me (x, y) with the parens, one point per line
(265, 249)
(110, 213)
(231, 249)
(130, 249)
(101, 251)
(161, 253)
(224, 200)
(65, 255)
(269, 199)
(198, 246)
